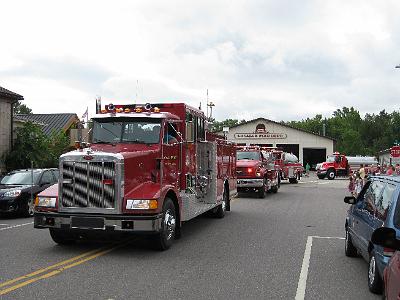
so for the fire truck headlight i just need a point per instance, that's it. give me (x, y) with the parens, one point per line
(141, 204)
(46, 201)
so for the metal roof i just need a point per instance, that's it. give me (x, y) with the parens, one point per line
(52, 122)
(6, 94)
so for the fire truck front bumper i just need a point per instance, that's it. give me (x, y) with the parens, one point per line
(250, 183)
(121, 223)
(321, 172)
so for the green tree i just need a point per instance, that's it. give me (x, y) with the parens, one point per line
(58, 143)
(217, 126)
(32, 145)
(21, 109)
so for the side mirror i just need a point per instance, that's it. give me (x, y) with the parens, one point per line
(350, 200)
(385, 237)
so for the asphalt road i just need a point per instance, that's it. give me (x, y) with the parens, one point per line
(258, 251)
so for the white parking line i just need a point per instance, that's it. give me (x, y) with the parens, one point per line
(302, 284)
(16, 226)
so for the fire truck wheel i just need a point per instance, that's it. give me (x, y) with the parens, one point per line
(261, 190)
(219, 211)
(330, 174)
(62, 237)
(321, 176)
(164, 239)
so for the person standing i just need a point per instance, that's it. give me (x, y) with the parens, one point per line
(390, 170)
(352, 186)
(361, 172)
(307, 169)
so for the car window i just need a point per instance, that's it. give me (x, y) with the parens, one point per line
(372, 195)
(21, 177)
(56, 174)
(384, 201)
(396, 219)
(47, 177)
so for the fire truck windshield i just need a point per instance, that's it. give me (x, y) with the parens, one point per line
(112, 131)
(250, 155)
(330, 159)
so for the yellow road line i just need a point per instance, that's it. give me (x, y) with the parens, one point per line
(75, 261)
(49, 267)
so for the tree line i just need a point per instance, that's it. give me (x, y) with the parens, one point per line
(354, 134)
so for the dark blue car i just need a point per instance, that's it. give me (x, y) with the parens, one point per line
(377, 205)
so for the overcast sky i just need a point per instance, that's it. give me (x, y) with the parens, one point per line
(278, 59)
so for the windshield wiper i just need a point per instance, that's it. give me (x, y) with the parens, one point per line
(103, 142)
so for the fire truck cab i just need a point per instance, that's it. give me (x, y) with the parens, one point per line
(256, 171)
(149, 169)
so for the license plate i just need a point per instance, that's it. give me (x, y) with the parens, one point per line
(87, 223)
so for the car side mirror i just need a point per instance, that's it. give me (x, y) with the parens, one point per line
(386, 237)
(350, 200)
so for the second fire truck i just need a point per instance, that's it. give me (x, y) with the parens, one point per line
(256, 171)
(149, 169)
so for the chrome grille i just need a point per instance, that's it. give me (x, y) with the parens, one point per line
(88, 184)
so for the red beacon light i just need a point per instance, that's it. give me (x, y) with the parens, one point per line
(138, 109)
(127, 110)
(156, 109)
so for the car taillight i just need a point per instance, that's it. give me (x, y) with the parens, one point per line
(388, 251)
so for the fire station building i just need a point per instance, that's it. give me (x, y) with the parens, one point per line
(307, 146)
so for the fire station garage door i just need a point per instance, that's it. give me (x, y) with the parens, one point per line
(313, 156)
(291, 148)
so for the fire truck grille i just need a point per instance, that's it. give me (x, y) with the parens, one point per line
(242, 173)
(88, 184)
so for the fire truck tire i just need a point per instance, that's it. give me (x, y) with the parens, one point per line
(62, 237)
(220, 210)
(261, 190)
(165, 238)
(331, 174)
(321, 176)
(274, 189)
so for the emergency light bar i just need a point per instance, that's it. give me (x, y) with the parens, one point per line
(136, 108)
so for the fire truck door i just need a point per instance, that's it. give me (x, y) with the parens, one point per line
(171, 155)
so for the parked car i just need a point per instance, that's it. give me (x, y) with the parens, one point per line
(376, 206)
(19, 188)
(386, 237)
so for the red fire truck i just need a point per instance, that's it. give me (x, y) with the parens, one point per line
(149, 169)
(256, 171)
(342, 165)
(288, 165)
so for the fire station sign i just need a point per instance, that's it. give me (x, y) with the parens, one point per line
(395, 151)
(267, 135)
